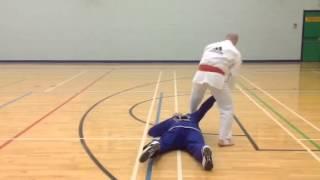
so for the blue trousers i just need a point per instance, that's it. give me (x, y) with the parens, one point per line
(185, 139)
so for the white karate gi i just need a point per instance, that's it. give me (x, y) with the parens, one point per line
(225, 56)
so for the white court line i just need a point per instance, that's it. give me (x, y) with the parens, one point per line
(146, 127)
(283, 105)
(187, 92)
(309, 139)
(64, 82)
(93, 91)
(75, 139)
(176, 107)
(279, 124)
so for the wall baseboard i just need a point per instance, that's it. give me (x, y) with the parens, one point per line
(140, 61)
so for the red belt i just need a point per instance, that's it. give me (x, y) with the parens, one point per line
(208, 68)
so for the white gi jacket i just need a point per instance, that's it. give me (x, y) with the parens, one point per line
(223, 55)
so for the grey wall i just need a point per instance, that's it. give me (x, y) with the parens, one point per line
(148, 29)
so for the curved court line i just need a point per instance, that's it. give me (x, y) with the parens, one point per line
(83, 119)
(81, 130)
(49, 113)
(246, 133)
(15, 100)
(251, 140)
(132, 114)
(139, 103)
(283, 105)
(81, 126)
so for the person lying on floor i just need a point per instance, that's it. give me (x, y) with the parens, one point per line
(181, 132)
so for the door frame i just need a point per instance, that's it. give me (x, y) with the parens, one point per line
(302, 40)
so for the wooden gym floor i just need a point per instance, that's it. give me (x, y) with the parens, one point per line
(88, 121)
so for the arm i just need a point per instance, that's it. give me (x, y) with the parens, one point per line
(198, 115)
(234, 71)
(158, 129)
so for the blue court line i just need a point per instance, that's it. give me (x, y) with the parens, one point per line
(15, 100)
(149, 168)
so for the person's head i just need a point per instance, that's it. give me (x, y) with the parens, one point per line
(233, 37)
(180, 116)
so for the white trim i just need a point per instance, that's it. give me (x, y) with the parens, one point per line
(186, 127)
(146, 127)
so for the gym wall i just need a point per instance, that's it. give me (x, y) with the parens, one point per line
(148, 30)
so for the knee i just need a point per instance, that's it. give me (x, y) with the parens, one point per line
(226, 108)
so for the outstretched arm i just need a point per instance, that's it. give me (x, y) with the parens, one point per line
(158, 129)
(198, 115)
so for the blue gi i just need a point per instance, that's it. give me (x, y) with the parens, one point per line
(183, 132)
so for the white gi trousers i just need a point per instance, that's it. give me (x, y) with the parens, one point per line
(224, 101)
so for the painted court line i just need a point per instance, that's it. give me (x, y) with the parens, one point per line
(76, 139)
(279, 124)
(144, 135)
(15, 100)
(283, 118)
(113, 92)
(309, 139)
(150, 162)
(176, 109)
(283, 105)
(64, 82)
(51, 112)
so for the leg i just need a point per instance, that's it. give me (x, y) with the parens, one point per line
(150, 150)
(197, 93)
(168, 141)
(224, 101)
(194, 144)
(159, 145)
(207, 161)
(197, 148)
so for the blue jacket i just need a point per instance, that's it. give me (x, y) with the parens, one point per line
(189, 121)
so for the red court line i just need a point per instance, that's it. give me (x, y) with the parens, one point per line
(51, 112)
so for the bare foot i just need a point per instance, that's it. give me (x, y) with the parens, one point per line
(225, 143)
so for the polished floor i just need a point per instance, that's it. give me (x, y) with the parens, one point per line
(89, 121)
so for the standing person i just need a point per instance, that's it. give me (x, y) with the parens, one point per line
(181, 132)
(219, 64)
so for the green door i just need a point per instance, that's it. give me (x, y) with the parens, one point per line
(311, 36)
